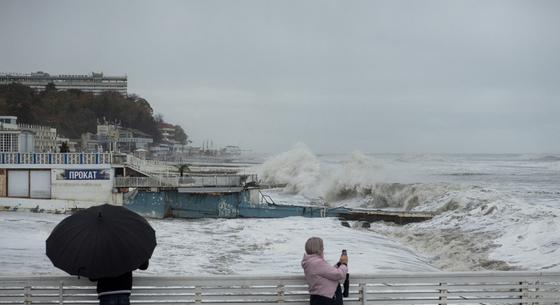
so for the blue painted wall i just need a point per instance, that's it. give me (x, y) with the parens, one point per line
(216, 205)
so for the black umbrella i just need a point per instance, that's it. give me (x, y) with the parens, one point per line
(101, 241)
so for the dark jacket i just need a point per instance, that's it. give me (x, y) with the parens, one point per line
(121, 284)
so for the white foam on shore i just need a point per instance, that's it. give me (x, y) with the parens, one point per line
(218, 246)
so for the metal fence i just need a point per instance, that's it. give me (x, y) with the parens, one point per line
(190, 181)
(55, 158)
(541, 288)
(149, 166)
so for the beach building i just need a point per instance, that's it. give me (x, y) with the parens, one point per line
(44, 137)
(16, 137)
(94, 82)
(90, 143)
(10, 134)
(114, 138)
(62, 180)
(131, 140)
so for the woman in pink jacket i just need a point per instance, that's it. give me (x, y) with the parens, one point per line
(322, 278)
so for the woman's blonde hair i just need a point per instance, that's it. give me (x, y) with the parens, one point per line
(314, 245)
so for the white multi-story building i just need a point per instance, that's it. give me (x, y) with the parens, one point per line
(167, 132)
(44, 137)
(95, 82)
(16, 137)
(9, 134)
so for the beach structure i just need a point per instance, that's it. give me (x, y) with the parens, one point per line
(62, 182)
(442, 288)
(95, 82)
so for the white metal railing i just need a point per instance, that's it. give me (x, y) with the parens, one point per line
(542, 288)
(157, 167)
(188, 181)
(149, 166)
(55, 158)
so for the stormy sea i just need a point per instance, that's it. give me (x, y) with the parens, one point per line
(492, 212)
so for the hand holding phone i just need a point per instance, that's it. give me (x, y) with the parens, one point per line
(344, 257)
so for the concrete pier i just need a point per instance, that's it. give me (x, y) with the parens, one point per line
(381, 215)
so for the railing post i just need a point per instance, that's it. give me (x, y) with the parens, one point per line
(280, 293)
(197, 294)
(362, 291)
(61, 292)
(537, 295)
(524, 291)
(27, 294)
(442, 294)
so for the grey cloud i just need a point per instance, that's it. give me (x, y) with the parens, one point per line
(378, 76)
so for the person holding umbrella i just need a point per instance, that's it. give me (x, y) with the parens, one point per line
(104, 243)
(116, 290)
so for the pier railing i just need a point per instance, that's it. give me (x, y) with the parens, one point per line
(190, 181)
(55, 158)
(542, 288)
(156, 167)
(149, 166)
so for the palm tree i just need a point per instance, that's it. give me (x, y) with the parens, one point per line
(182, 168)
(64, 147)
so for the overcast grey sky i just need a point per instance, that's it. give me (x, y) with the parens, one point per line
(376, 76)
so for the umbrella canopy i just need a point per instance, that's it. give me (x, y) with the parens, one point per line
(101, 241)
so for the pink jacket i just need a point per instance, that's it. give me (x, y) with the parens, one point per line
(321, 277)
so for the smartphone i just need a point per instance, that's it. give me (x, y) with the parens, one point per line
(344, 252)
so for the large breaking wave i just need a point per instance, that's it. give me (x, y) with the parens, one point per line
(357, 180)
(476, 227)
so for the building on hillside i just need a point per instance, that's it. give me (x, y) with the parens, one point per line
(94, 82)
(167, 132)
(179, 148)
(16, 137)
(159, 150)
(90, 143)
(131, 140)
(108, 135)
(113, 137)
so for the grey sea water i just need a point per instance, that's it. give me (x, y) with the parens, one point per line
(493, 212)
(497, 212)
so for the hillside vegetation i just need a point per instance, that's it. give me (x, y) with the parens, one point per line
(74, 112)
